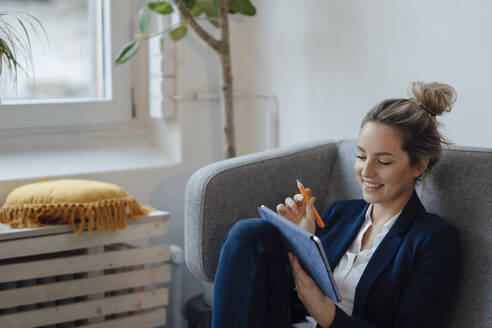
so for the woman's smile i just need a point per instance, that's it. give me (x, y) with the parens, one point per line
(372, 186)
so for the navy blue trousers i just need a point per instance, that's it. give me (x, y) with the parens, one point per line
(254, 287)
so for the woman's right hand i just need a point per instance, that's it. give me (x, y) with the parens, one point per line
(298, 211)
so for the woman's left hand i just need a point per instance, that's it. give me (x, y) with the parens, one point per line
(321, 307)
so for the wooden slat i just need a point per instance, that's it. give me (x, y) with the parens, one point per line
(84, 310)
(7, 233)
(85, 286)
(92, 274)
(84, 263)
(70, 241)
(126, 290)
(144, 320)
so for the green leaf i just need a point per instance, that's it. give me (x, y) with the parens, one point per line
(16, 47)
(160, 7)
(127, 52)
(212, 12)
(234, 6)
(197, 10)
(248, 9)
(179, 32)
(6, 51)
(244, 7)
(143, 20)
(189, 3)
(25, 32)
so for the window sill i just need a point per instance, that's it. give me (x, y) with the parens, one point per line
(35, 155)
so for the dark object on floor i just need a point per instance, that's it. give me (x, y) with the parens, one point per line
(197, 313)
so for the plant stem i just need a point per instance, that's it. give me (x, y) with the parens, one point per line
(151, 35)
(210, 40)
(227, 88)
(222, 47)
(172, 27)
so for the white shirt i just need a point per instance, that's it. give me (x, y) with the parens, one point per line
(349, 269)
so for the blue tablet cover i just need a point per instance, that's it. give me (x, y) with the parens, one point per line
(303, 245)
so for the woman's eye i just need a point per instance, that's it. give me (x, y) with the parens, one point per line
(364, 158)
(380, 162)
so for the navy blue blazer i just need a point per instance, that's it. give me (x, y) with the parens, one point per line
(411, 277)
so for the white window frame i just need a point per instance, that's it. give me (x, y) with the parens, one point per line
(115, 108)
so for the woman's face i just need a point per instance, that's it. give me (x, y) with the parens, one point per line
(383, 168)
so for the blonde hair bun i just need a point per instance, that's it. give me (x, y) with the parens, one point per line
(436, 97)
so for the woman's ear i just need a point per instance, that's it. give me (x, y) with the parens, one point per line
(422, 166)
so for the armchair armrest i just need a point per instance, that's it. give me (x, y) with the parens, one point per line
(220, 194)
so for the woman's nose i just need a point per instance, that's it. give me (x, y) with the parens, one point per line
(368, 169)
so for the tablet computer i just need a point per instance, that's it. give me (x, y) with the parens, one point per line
(308, 249)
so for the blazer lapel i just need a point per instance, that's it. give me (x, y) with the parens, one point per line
(385, 251)
(347, 238)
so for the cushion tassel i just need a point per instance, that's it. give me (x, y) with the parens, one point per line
(81, 211)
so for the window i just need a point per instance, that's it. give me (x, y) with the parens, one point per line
(75, 81)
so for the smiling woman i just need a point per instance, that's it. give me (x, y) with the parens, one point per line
(395, 264)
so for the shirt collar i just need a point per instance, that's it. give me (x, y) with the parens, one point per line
(387, 225)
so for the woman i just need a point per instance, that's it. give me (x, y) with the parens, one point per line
(395, 264)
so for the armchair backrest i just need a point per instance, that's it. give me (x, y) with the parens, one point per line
(220, 194)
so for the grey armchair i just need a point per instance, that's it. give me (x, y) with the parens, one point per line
(459, 189)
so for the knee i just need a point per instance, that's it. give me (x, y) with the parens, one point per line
(251, 229)
(256, 233)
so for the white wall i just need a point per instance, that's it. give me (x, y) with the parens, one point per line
(330, 61)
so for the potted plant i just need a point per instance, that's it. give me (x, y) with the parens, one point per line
(192, 11)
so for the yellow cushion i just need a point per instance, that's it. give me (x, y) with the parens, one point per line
(104, 206)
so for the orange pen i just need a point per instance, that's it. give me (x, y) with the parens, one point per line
(320, 222)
